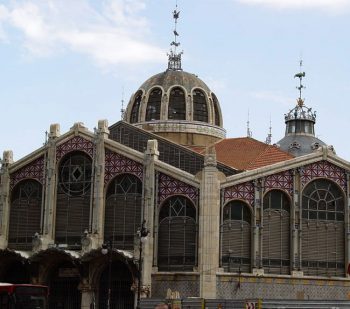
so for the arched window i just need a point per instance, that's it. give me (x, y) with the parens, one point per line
(177, 105)
(153, 105)
(236, 237)
(177, 239)
(134, 115)
(25, 214)
(216, 109)
(73, 199)
(200, 107)
(323, 242)
(123, 211)
(276, 225)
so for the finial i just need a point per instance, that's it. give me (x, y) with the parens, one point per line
(174, 57)
(122, 110)
(249, 132)
(300, 75)
(269, 136)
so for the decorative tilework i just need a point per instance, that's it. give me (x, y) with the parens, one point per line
(324, 169)
(115, 164)
(282, 181)
(169, 186)
(34, 170)
(75, 143)
(244, 191)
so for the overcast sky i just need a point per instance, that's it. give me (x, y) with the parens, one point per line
(67, 61)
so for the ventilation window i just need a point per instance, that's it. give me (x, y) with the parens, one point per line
(177, 105)
(134, 116)
(216, 110)
(200, 108)
(153, 105)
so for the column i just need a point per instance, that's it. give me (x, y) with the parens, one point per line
(96, 234)
(209, 226)
(7, 160)
(257, 242)
(151, 156)
(346, 224)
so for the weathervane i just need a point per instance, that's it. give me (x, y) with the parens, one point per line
(174, 57)
(300, 75)
(122, 110)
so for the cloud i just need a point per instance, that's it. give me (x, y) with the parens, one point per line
(331, 5)
(111, 33)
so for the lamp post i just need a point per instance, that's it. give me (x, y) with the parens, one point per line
(107, 249)
(142, 233)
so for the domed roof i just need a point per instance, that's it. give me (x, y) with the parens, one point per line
(169, 78)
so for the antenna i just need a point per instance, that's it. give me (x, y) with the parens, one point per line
(300, 75)
(122, 110)
(174, 57)
(249, 132)
(269, 136)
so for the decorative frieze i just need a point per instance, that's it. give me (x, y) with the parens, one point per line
(282, 181)
(243, 191)
(76, 143)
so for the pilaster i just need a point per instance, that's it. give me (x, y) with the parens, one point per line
(50, 190)
(257, 242)
(96, 234)
(7, 160)
(347, 227)
(151, 155)
(209, 226)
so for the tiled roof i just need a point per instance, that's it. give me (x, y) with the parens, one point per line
(245, 153)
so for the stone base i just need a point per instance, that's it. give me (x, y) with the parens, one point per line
(258, 272)
(297, 273)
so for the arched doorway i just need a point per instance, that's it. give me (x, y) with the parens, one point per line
(120, 282)
(64, 292)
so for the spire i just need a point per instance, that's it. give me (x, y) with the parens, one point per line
(174, 57)
(269, 136)
(122, 110)
(300, 75)
(249, 132)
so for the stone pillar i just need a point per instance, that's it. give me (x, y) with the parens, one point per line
(151, 155)
(48, 236)
(98, 206)
(257, 242)
(7, 160)
(209, 226)
(296, 226)
(87, 295)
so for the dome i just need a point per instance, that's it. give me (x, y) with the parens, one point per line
(177, 105)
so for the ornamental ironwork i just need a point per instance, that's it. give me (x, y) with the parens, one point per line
(116, 163)
(244, 191)
(76, 143)
(324, 169)
(169, 186)
(34, 170)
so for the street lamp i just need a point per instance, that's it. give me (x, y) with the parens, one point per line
(142, 233)
(107, 249)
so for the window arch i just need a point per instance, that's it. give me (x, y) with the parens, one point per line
(323, 242)
(153, 105)
(25, 214)
(134, 115)
(177, 104)
(216, 110)
(123, 211)
(276, 235)
(236, 237)
(177, 238)
(73, 199)
(200, 107)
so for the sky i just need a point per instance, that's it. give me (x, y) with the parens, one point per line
(68, 61)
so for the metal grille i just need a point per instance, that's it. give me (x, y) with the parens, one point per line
(73, 199)
(216, 110)
(64, 291)
(200, 107)
(177, 240)
(153, 105)
(121, 295)
(123, 211)
(323, 242)
(25, 214)
(177, 105)
(170, 153)
(236, 237)
(276, 236)
(134, 115)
